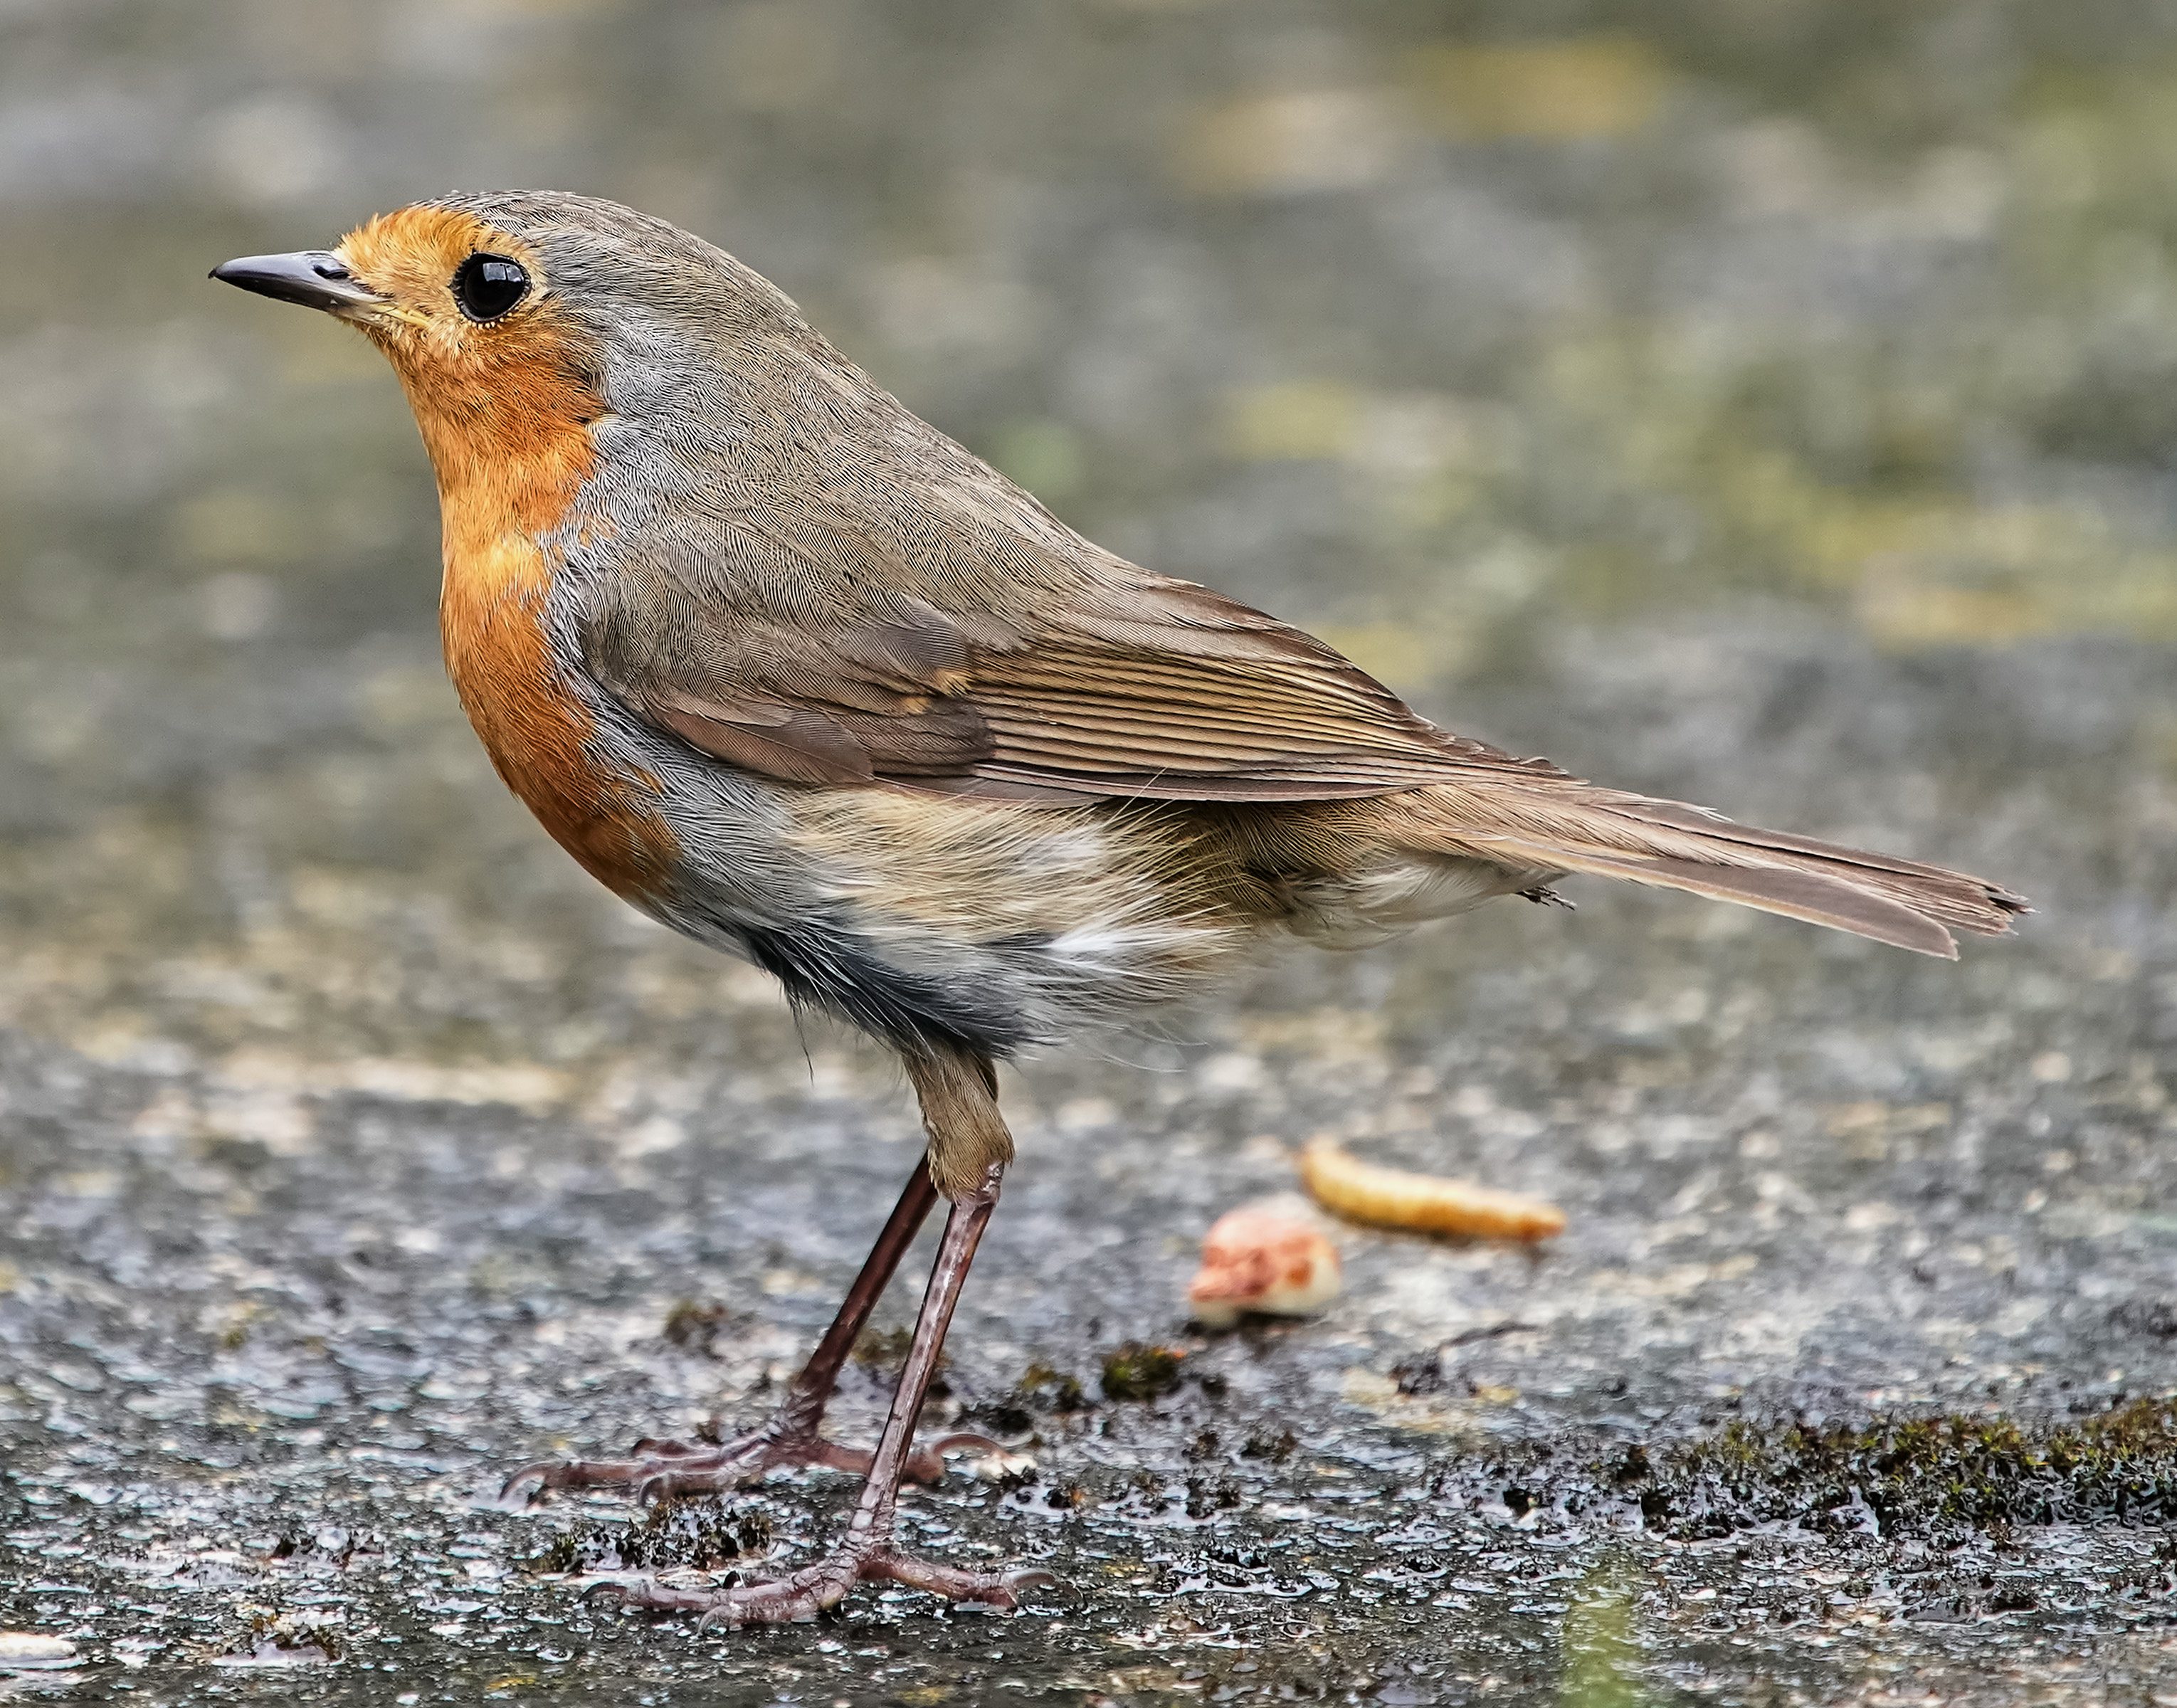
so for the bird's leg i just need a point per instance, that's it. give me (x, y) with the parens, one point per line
(789, 1436)
(868, 1551)
(961, 1110)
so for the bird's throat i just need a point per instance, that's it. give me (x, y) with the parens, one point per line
(506, 488)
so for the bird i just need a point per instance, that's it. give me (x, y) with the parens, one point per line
(785, 667)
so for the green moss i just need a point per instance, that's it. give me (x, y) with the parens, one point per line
(704, 1534)
(1138, 1371)
(1275, 1445)
(694, 1324)
(883, 1349)
(1924, 1475)
(1041, 1389)
(563, 1553)
(883, 1352)
(1602, 1658)
(286, 1638)
(1047, 1390)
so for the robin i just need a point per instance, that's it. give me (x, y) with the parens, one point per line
(786, 669)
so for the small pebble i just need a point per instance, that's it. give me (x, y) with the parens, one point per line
(33, 1651)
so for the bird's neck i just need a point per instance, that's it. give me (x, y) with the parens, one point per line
(502, 495)
(510, 452)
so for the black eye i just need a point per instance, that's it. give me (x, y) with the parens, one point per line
(487, 287)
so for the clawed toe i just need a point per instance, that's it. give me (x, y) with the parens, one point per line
(815, 1589)
(664, 1470)
(927, 1463)
(993, 1591)
(659, 1468)
(543, 1475)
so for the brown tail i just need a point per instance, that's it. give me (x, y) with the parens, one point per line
(1677, 846)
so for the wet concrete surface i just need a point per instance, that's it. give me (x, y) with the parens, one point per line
(277, 1318)
(1774, 420)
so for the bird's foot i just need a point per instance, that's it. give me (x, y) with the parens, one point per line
(657, 1469)
(814, 1589)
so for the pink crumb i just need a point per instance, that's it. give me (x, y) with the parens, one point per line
(1262, 1258)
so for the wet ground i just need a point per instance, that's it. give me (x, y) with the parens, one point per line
(1764, 404)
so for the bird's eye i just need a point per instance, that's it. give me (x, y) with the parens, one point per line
(487, 287)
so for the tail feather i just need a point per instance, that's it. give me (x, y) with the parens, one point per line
(1675, 846)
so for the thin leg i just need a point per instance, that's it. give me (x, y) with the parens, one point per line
(659, 1469)
(868, 1551)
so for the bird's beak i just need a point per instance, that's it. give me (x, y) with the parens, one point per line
(315, 278)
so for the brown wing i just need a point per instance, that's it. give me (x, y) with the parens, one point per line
(1150, 688)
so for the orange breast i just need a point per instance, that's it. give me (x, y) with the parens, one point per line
(500, 657)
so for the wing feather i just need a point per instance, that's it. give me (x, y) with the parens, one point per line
(1134, 685)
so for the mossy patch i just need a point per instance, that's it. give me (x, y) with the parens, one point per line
(694, 1325)
(705, 1534)
(884, 1349)
(1042, 1388)
(304, 1638)
(1275, 1445)
(1050, 1389)
(1926, 1477)
(1140, 1371)
(883, 1353)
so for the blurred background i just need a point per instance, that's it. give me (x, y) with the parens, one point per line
(1771, 402)
(1444, 329)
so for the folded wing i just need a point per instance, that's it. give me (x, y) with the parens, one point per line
(1156, 689)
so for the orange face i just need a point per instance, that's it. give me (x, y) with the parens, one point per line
(503, 403)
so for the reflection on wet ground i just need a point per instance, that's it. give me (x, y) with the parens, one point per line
(1767, 405)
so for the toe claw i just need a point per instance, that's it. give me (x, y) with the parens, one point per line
(661, 1468)
(545, 1475)
(809, 1592)
(927, 1463)
(964, 1441)
(1003, 1592)
(518, 1482)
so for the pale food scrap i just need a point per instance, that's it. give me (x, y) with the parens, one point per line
(1266, 1257)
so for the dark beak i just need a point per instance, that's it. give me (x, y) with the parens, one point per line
(315, 278)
